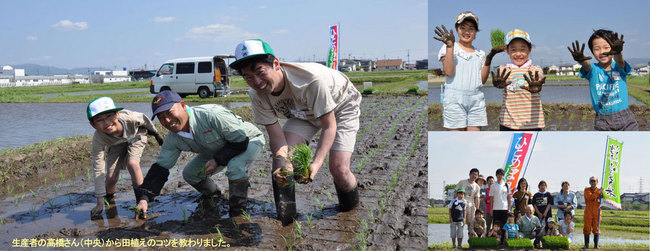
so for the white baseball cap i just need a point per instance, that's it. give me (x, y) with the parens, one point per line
(250, 48)
(100, 106)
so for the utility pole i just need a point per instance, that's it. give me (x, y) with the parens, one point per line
(408, 56)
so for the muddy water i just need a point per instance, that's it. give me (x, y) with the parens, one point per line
(179, 214)
(50, 95)
(439, 233)
(550, 93)
(28, 123)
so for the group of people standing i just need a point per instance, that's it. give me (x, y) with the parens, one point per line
(488, 208)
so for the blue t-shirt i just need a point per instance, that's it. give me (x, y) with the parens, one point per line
(608, 88)
(511, 229)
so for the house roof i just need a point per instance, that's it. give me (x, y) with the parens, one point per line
(389, 62)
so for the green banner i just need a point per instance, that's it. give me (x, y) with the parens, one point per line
(611, 187)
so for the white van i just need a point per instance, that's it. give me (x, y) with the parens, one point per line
(204, 76)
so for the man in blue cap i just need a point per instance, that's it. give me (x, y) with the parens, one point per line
(222, 140)
(312, 98)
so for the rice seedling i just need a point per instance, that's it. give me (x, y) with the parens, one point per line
(235, 226)
(22, 185)
(298, 228)
(61, 175)
(88, 174)
(2, 222)
(246, 215)
(219, 233)
(121, 180)
(56, 188)
(33, 193)
(185, 218)
(32, 212)
(16, 200)
(329, 195)
(45, 181)
(213, 202)
(70, 183)
(287, 244)
(300, 160)
(497, 38)
(10, 189)
(309, 216)
(320, 205)
(106, 202)
(50, 204)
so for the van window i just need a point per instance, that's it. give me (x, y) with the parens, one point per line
(205, 67)
(166, 69)
(185, 68)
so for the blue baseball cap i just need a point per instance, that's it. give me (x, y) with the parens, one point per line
(164, 101)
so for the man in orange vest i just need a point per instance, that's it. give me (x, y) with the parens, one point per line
(592, 211)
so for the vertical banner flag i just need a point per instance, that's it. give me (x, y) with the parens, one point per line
(517, 159)
(333, 59)
(610, 186)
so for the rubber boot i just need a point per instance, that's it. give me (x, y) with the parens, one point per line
(596, 241)
(111, 208)
(347, 200)
(238, 197)
(586, 241)
(285, 201)
(207, 187)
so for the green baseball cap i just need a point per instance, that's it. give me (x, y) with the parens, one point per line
(248, 49)
(100, 106)
(460, 190)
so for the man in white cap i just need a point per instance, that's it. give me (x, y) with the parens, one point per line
(118, 142)
(311, 97)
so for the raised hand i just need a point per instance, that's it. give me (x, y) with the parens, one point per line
(495, 50)
(577, 52)
(500, 80)
(445, 36)
(616, 44)
(534, 84)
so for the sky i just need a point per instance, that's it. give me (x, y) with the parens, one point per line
(552, 25)
(556, 157)
(116, 34)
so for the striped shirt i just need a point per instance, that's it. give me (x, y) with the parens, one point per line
(521, 109)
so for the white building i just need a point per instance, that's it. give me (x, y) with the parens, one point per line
(110, 76)
(16, 77)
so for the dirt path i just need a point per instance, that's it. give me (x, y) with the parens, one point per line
(389, 162)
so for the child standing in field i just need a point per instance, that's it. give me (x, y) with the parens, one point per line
(521, 82)
(118, 142)
(457, 215)
(607, 81)
(466, 69)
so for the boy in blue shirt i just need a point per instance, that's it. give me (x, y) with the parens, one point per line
(457, 215)
(511, 228)
(607, 81)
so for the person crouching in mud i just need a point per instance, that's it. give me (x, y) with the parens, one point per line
(222, 140)
(311, 97)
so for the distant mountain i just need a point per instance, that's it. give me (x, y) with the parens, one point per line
(44, 70)
(637, 62)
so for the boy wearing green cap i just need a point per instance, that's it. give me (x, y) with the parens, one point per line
(311, 97)
(118, 142)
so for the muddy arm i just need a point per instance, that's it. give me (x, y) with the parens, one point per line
(152, 184)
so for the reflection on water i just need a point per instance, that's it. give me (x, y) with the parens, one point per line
(439, 233)
(28, 123)
(550, 93)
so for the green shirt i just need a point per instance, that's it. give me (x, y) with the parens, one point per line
(212, 126)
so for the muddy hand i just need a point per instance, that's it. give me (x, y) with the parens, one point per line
(500, 80)
(96, 212)
(280, 175)
(495, 50)
(445, 36)
(534, 84)
(616, 44)
(141, 210)
(577, 52)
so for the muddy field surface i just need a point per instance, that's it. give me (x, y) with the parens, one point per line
(558, 117)
(390, 163)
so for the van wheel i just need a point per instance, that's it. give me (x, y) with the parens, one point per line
(204, 92)
(165, 88)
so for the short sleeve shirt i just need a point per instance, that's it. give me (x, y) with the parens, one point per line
(608, 89)
(472, 191)
(521, 109)
(543, 200)
(458, 209)
(511, 229)
(311, 90)
(467, 71)
(500, 194)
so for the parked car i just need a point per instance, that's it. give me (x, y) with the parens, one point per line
(203, 76)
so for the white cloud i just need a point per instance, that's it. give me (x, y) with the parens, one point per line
(31, 38)
(263, 7)
(282, 31)
(164, 19)
(68, 25)
(219, 32)
(42, 58)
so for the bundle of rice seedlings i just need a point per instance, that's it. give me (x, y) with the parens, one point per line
(497, 38)
(487, 242)
(300, 160)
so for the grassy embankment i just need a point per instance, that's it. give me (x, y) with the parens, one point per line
(385, 83)
(614, 224)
